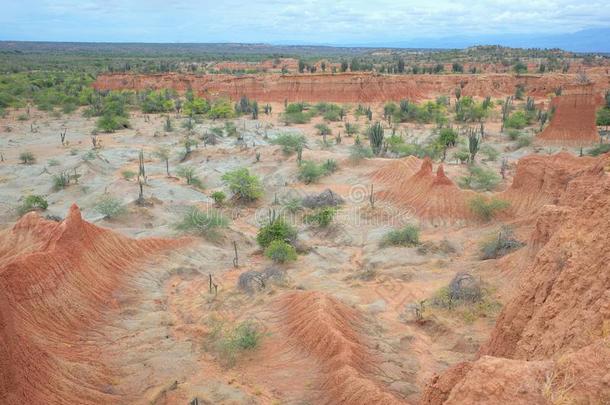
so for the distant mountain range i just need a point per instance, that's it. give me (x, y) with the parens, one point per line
(590, 40)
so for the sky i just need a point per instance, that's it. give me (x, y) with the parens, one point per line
(336, 22)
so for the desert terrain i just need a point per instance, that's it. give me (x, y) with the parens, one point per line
(308, 238)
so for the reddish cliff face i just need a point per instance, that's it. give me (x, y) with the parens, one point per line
(344, 87)
(551, 341)
(573, 122)
(56, 281)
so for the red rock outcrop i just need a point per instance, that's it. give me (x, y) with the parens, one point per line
(344, 87)
(56, 281)
(551, 342)
(432, 197)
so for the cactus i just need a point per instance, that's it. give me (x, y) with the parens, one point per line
(375, 133)
(473, 144)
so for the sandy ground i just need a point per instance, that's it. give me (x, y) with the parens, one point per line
(156, 337)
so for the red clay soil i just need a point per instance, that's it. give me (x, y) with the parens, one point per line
(56, 281)
(330, 332)
(561, 179)
(573, 123)
(397, 170)
(432, 197)
(344, 87)
(551, 343)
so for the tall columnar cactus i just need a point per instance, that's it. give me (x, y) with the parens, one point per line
(376, 137)
(473, 144)
(506, 110)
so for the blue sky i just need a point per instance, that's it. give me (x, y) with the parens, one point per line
(304, 21)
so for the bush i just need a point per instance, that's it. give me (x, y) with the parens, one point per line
(322, 217)
(280, 251)
(351, 129)
(33, 203)
(323, 129)
(111, 123)
(229, 342)
(128, 174)
(499, 245)
(517, 120)
(463, 288)
(599, 149)
(188, 173)
(61, 181)
(523, 141)
(243, 185)
(109, 206)
(219, 198)
(358, 152)
(290, 143)
(513, 134)
(27, 158)
(490, 152)
(221, 108)
(480, 178)
(276, 229)
(296, 118)
(486, 209)
(407, 236)
(202, 223)
(310, 172)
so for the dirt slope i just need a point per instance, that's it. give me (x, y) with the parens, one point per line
(331, 332)
(573, 122)
(551, 342)
(56, 280)
(344, 87)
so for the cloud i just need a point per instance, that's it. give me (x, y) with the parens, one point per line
(313, 21)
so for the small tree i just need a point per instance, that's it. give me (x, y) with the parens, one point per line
(27, 158)
(163, 153)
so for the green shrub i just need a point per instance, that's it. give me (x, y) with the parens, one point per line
(500, 244)
(517, 120)
(243, 185)
(289, 142)
(280, 251)
(188, 174)
(111, 123)
(53, 162)
(276, 229)
(406, 236)
(490, 152)
(202, 223)
(196, 106)
(157, 101)
(351, 129)
(513, 134)
(221, 109)
(109, 206)
(27, 158)
(310, 172)
(229, 342)
(330, 166)
(296, 118)
(219, 198)
(480, 178)
(358, 152)
(486, 209)
(294, 205)
(61, 181)
(322, 217)
(33, 203)
(323, 129)
(599, 149)
(128, 174)
(523, 141)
